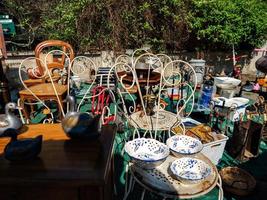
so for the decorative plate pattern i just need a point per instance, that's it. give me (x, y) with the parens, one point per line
(184, 144)
(190, 169)
(147, 152)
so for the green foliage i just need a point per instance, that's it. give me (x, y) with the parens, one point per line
(227, 22)
(60, 22)
(163, 24)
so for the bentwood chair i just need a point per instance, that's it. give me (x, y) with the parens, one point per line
(53, 62)
(47, 80)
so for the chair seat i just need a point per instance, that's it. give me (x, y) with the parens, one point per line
(45, 89)
(31, 82)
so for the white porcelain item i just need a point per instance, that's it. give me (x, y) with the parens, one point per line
(239, 103)
(183, 144)
(147, 153)
(226, 80)
(190, 169)
(235, 101)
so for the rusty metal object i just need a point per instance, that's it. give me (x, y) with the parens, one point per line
(237, 181)
(245, 141)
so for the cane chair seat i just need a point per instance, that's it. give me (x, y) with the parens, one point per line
(45, 89)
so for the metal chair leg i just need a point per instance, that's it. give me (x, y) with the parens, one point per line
(131, 184)
(126, 182)
(219, 184)
(143, 194)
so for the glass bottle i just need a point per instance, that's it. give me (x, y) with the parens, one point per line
(206, 94)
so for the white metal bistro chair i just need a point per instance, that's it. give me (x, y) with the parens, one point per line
(145, 83)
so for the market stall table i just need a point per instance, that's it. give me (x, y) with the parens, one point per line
(65, 169)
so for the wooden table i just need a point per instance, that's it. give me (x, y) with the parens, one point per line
(65, 169)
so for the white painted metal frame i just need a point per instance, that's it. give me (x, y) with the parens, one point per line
(81, 65)
(47, 72)
(167, 68)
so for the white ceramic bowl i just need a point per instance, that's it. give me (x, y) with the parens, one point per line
(183, 144)
(190, 169)
(147, 153)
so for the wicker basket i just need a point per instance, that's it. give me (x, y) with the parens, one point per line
(237, 181)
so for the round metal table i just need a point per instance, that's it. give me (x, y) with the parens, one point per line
(161, 182)
(161, 120)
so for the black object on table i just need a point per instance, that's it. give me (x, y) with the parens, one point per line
(4, 91)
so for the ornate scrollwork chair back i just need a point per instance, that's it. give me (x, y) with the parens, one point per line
(91, 96)
(160, 90)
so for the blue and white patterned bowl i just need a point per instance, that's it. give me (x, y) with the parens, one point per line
(189, 169)
(183, 144)
(147, 153)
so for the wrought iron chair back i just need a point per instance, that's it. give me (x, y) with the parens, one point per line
(154, 77)
(97, 98)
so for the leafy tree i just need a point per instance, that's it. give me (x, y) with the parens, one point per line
(163, 24)
(226, 22)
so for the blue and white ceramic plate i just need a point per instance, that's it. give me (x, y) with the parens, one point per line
(190, 169)
(183, 144)
(147, 153)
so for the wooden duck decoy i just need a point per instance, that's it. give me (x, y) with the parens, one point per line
(78, 125)
(23, 149)
(8, 121)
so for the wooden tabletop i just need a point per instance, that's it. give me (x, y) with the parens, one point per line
(62, 161)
